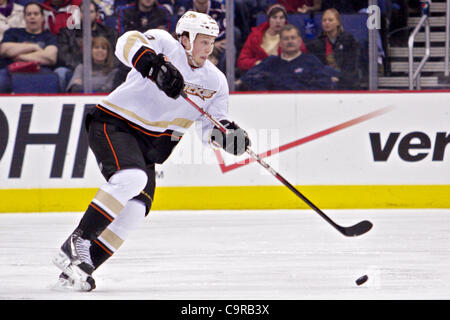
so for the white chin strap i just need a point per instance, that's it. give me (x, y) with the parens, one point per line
(192, 37)
(191, 58)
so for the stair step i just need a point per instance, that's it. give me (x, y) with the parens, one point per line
(437, 19)
(403, 52)
(434, 37)
(434, 21)
(438, 7)
(403, 82)
(429, 66)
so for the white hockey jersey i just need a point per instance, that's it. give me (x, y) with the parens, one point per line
(140, 101)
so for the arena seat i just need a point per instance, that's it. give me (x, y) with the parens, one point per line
(45, 82)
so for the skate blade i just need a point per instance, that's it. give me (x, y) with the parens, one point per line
(71, 286)
(63, 285)
(67, 287)
(78, 278)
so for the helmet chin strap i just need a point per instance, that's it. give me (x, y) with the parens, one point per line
(189, 52)
(191, 59)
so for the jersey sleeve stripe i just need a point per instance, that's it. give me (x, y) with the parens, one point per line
(131, 41)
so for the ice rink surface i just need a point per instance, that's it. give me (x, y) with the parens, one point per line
(276, 254)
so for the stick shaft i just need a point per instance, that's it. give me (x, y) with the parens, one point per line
(292, 188)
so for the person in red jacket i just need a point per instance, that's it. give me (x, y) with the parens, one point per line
(264, 39)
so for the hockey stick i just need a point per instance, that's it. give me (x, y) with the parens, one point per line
(355, 230)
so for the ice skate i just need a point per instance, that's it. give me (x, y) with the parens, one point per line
(75, 261)
(67, 283)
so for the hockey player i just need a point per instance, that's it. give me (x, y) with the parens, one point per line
(138, 125)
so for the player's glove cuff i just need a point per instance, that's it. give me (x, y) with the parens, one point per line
(235, 141)
(160, 70)
(144, 60)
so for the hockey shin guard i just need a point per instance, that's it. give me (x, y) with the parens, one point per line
(110, 200)
(116, 233)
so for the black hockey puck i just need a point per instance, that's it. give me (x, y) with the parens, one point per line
(361, 280)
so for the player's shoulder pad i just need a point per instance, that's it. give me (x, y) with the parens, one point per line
(159, 35)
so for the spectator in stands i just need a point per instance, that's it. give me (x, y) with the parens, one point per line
(264, 39)
(168, 4)
(141, 15)
(58, 13)
(106, 12)
(70, 44)
(31, 44)
(103, 70)
(11, 16)
(301, 6)
(110, 8)
(292, 70)
(338, 49)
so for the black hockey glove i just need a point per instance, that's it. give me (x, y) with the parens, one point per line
(235, 141)
(159, 70)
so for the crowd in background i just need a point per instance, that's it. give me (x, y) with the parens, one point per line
(272, 53)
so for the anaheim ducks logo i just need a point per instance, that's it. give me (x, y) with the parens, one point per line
(198, 91)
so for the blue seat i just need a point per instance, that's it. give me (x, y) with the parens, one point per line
(43, 82)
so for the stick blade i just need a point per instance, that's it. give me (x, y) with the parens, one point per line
(357, 229)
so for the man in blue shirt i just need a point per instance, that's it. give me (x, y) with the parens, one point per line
(292, 70)
(31, 43)
(142, 15)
